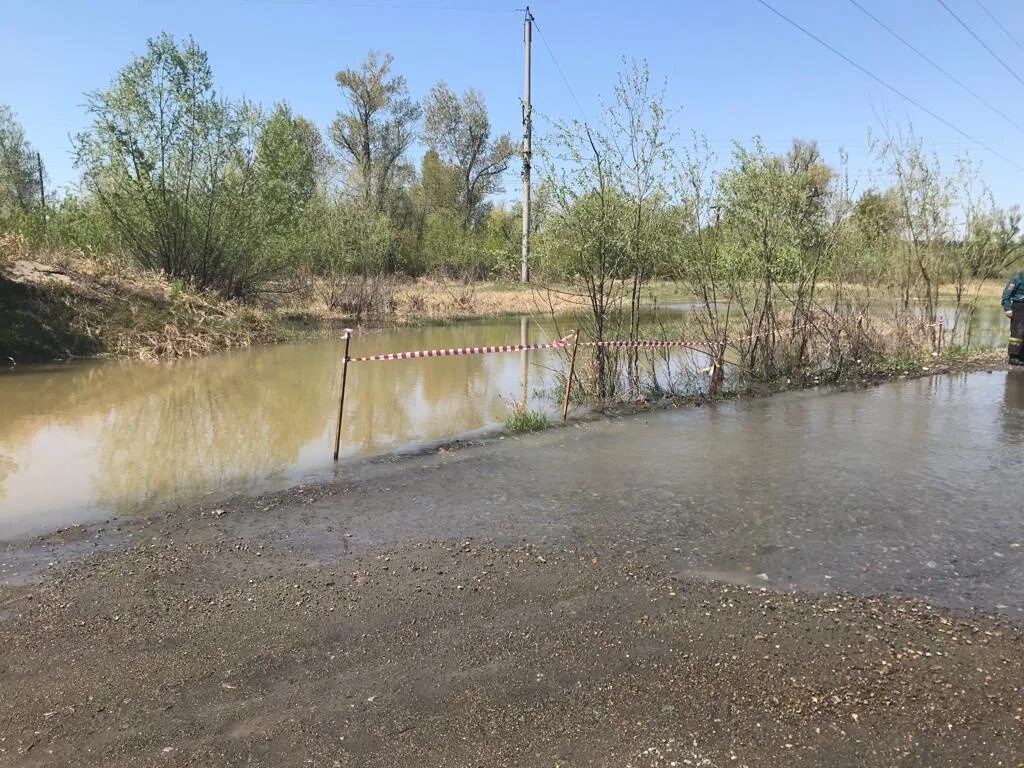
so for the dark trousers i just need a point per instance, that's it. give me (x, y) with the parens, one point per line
(1016, 347)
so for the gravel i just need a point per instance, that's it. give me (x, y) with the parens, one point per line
(185, 646)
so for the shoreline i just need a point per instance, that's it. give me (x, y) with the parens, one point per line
(62, 307)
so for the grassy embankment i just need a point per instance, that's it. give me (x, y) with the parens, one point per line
(56, 306)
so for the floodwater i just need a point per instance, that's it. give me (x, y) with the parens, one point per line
(912, 487)
(83, 441)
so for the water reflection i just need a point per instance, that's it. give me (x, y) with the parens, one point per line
(80, 440)
(1013, 406)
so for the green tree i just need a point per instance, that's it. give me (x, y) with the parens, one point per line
(375, 130)
(439, 183)
(342, 240)
(174, 166)
(608, 229)
(287, 152)
(452, 250)
(502, 240)
(459, 130)
(19, 172)
(876, 215)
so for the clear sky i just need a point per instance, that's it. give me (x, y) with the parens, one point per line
(733, 68)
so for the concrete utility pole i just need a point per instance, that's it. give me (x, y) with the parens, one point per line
(527, 152)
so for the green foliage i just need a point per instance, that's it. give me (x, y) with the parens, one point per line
(458, 130)
(376, 129)
(439, 183)
(501, 240)
(219, 195)
(341, 239)
(770, 215)
(900, 363)
(287, 149)
(522, 419)
(174, 166)
(876, 216)
(80, 221)
(19, 171)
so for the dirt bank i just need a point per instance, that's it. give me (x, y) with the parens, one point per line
(57, 306)
(197, 646)
(69, 307)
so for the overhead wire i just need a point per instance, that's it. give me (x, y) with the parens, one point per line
(937, 66)
(906, 97)
(981, 42)
(999, 24)
(387, 6)
(561, 72)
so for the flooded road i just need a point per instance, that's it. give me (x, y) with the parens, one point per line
(86, 440)
(908, 488)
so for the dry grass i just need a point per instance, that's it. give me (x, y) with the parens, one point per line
(390, 301)
(59, 304)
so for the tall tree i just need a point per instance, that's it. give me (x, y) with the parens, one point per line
(173, 165)
(19, 172)
(439, 182)
(876, 215)
(376, 129)
(459, 130)
(287, 156)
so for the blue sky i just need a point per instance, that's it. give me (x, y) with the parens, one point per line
(733, 68)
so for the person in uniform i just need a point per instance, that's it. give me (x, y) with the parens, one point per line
(1013, 306)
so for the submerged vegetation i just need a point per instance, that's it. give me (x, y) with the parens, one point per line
(795, 275)
(201, 222)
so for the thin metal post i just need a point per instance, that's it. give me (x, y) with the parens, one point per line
(572, 370)
(341, 404)
(524, 362)
(527, 151)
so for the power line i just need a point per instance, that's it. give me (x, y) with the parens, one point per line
(387, 7)
(983, 44)
(998, 24)
(892, 88)
(558, 66)
(937, 66)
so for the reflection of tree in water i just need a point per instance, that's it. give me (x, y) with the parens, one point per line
(233, 417)
(395, 402)
(1013, 406)
(171, 429)
(35, 398)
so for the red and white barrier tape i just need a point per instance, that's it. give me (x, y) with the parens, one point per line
(697, 343)
(559, 344)
(456, 351)
(643, 343)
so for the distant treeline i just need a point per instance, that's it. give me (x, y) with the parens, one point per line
(228, 195)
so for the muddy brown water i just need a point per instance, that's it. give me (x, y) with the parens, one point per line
(85, 440)
(910, 486)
